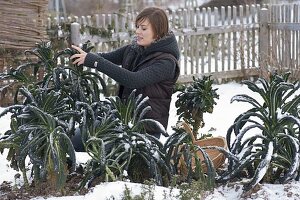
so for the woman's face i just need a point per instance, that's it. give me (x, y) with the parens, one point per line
(144, 33)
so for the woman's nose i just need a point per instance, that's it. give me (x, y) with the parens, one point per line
(137, 30)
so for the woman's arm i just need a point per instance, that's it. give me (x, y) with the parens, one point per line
(115, 57)
(160, 70)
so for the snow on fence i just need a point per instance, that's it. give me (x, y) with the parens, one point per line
(227, 42)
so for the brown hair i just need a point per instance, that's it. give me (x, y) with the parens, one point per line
(157, 18)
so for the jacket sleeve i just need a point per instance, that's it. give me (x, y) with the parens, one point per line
(115, 57)
(158, 71)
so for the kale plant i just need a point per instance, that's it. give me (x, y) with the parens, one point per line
(183, 155)
(44, 121)
(270, 153)
(118, 143)
(40, 130)
(44, 70)
(194, 100)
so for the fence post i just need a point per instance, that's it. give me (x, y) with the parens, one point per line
(263, 39)
(75, 33)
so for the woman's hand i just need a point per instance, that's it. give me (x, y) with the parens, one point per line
(78, 58)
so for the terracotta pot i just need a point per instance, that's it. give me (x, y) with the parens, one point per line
(216, 156)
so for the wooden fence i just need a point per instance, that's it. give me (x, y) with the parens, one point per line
(227, 43)
(281, 38)
(221, 42)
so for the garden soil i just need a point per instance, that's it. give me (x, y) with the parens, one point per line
(10, 192)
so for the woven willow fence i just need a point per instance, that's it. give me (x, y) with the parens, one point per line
(22, 23)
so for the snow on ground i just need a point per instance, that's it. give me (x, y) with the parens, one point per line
(219, 121)
(112, 190)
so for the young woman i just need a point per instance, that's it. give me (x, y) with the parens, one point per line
(149, 64)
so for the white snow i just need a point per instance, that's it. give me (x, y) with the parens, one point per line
(216, 123)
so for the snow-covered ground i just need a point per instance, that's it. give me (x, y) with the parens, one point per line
(216, 123)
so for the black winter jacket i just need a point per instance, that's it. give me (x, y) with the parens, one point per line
(152, 71)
